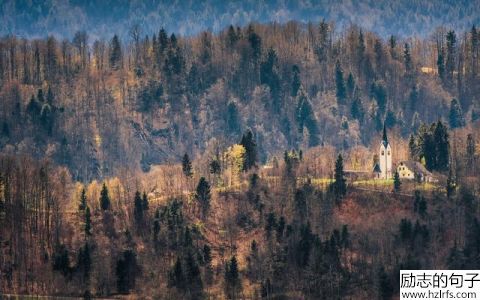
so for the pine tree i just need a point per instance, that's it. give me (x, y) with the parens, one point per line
(104, 198)
(350, 85)
(176, 276)
(407, 59)
(306, 118)
(232, 278)
(145, 202)
(441, 64)
(215, 167)
(296, 81)
(339, 185)
(248, 142)
(456, 118)
(115, 53)
(412, 147)
(442, 146)
(138, 210)
(340, 83)
(385, 285)
(470, 154)
(88, 222)
(396, 182)
(83, 201)
(192, 275)
(203, 195)
(269, 76)
(84, 262)
(126, 271)
(187, 166)
(451, 54)
(207, 254)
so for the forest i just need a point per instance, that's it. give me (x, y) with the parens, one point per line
(212, 165)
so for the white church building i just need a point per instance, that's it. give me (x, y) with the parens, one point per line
(383, 169)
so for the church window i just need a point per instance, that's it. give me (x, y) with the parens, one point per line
(383, 153)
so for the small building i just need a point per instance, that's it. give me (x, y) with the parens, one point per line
(410, 169)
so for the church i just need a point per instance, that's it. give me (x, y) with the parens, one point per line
(383, 168)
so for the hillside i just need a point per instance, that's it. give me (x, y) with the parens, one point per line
(101, 108)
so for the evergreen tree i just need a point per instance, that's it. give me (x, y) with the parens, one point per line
(451, 54)
(306, 118)
(187, 166)
(248, 142)
(339, 185)
(84, 262)
(350, 85)
(407, 59)
(269, 76)
(192, 275)
(296, 81)
(61, 261)
(145, 201)
(203, 195)
(456, 118)
(88, 222)
(126, 271)
(104, 198)
(207, 254)
(232, 278)
(176, 276)
(470, 154)
(357, 109)
(385, 285)
(442, 146)
(115, 53)
(215, 167)
(396, 182)
(232, 37)
(412, 147)
(138, 209)
(271, 224)
(441, 64)
(83, 201)
(340, 84)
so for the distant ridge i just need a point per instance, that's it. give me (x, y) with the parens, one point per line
(103, 18)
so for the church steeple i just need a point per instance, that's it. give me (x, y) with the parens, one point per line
(385, 138)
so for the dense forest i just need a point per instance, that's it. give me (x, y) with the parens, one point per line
(212, 165)
(97, 107)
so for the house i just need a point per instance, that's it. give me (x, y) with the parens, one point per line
(410, 169)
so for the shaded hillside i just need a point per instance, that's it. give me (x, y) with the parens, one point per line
(103, 108)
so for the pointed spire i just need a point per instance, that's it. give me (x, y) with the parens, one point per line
(385, 138)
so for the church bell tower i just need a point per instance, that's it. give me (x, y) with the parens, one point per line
(385, 156)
